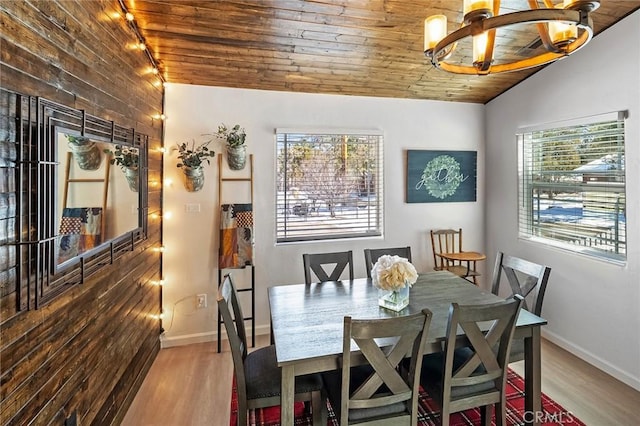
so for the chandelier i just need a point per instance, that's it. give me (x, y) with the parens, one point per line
(563, 29)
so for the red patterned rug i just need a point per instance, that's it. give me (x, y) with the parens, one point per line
(553, 413)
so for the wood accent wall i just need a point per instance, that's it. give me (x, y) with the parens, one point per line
(87, 351)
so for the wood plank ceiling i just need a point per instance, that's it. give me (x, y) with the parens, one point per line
(349, 47)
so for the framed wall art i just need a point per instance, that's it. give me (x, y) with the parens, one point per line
(441, 176)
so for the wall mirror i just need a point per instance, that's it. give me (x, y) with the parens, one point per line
(98, 193)
(83, 196)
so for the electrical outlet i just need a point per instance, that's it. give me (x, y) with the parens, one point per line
(201, 301)
(192, 208)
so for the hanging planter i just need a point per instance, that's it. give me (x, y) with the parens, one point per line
(236, 156)
(132, 175)
(236, 149)
(85, 152)
(193, 178)
(127, 158)
(191, 163)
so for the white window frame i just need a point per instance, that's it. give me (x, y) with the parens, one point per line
(305, 214)
(596, 201)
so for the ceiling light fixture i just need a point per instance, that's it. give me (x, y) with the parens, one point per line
(563, 29)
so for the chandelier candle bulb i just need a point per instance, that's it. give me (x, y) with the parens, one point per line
(435, 29)
(560, 33)
(477, 9)
(479, 48)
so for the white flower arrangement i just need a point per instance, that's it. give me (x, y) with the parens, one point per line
(392, 273)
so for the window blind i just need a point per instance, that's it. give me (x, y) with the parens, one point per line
(329, 185)
(572, 187)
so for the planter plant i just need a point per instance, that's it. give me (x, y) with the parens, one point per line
(191, 162)
(236, 149)
(128, 160)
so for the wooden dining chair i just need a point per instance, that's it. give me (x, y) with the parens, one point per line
(526, 279)
(370, 387)
(371, 256)
(317, 262)
(473, 376)
(450, 241)
(258, 377)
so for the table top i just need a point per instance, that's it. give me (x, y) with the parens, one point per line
(464, 256)
(307, 320)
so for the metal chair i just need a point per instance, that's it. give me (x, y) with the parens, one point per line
(473, 376)
(372, 255)
(317, 262)
(526, 279)
(450, 241)
(370, 387)
(258, 377)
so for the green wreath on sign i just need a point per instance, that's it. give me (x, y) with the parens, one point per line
(442, 176)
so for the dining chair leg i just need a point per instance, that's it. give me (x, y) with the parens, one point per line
(486, 412)
(318, 409)
(501, 414)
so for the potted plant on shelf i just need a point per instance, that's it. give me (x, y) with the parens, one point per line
(236, 149)
(85, 152)
(191, 162)
(128, 159)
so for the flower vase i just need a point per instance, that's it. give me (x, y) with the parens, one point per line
(236, 156)
(131, 173)
(395, 300)
(193, 178)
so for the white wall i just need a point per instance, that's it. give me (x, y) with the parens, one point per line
(593, 307)
(191, 239)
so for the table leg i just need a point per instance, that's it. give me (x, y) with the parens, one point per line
(532, 379)
(287, 393)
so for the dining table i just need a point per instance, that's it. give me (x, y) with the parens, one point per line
(307, 326)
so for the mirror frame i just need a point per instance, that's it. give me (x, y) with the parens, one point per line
(36, 175)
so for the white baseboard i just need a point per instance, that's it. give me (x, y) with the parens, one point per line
(596, 361)
(209, 336)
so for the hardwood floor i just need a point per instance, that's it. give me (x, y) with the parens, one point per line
(191, 386)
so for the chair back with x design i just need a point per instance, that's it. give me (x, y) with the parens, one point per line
(318, 263)
(476, 376)
(525, 278)
(371, 256)
(372, 386)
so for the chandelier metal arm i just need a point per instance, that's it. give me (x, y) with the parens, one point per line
(577, 17)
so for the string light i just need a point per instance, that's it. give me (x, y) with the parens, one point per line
(142, 45)
(165, 215)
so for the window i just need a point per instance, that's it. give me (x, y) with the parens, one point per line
(329, 185)
(572, 186)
